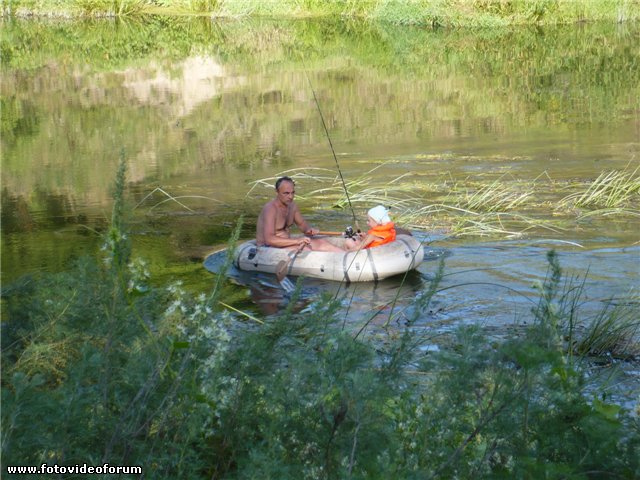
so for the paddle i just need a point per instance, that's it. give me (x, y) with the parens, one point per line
(283, 266)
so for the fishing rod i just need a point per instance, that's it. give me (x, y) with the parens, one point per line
(326, 130)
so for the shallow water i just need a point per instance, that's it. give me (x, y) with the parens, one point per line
(493, 284)
(208, 114)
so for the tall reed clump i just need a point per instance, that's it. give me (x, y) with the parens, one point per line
(614, 331)
(612, 190)
(101, 367)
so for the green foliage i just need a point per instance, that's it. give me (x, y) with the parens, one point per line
(450, 13)
(99, 366)
(111, 7)
(64, 8)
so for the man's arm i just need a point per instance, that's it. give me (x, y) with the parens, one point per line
(302, 223)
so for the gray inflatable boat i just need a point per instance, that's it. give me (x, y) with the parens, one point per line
(372, 264)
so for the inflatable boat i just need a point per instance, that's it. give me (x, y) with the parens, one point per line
(372, 264)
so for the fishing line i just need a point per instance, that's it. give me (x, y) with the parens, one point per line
(326, 130)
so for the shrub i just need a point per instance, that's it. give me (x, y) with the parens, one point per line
(100, 367)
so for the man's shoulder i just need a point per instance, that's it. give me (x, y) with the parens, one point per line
(270, 205)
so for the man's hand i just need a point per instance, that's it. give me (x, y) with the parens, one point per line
(304, 242)
(312, 231)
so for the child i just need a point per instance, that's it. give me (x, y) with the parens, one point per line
(382, 230)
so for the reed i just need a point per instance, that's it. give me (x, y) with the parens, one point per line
(614, 332)
(612, 190)
(495, 197)
(502, 208)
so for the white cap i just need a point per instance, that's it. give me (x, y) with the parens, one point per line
(379, 214)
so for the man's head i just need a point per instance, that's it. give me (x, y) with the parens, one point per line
(285, 190)
(283, 179)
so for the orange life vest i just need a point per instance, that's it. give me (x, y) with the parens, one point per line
(386, 234)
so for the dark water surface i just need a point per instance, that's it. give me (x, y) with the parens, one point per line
(208, 114)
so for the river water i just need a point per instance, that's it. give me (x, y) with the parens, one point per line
(207, 114)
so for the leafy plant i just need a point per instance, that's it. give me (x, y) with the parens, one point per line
(99, 366)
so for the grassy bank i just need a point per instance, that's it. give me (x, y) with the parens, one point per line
(101, 367)
(435, 13)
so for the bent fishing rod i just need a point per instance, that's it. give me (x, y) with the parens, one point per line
(326, 130)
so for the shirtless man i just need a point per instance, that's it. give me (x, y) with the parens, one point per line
(277, 217)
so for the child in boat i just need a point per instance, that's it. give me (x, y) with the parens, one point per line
(381, 230)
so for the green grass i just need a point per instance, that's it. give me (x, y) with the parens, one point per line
(432, 13)
(76, 8)
(611, 190)
(613, 332)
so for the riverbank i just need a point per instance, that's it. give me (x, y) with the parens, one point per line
(426, 13)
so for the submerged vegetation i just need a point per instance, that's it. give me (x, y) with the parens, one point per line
(101, 366)
(445, 13)
(477, 207)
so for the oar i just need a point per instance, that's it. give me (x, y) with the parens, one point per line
(283, 266)
(330, 233)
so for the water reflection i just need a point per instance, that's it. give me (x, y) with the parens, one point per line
(495, 286)
(205, 109)
(359, 300)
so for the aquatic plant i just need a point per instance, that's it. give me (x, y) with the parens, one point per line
(614, 331)
(494, 197)
(611, 190)
(101, 366)
(505, 207)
